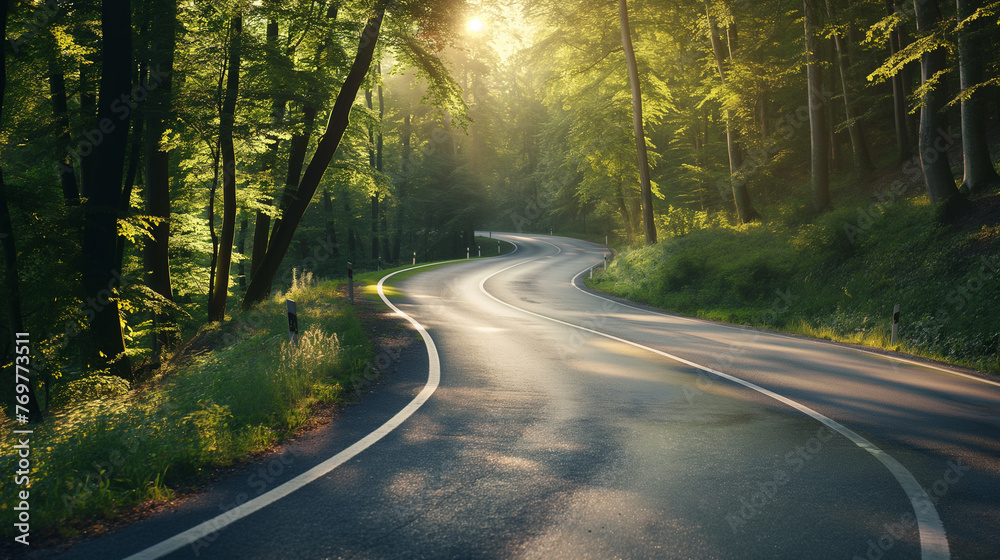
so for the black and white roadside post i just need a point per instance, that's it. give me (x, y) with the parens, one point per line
(350, 282)
(605, 262)
(293, 321)
(895, 324)
(467, 253)
(480, 248)
(414, 257)
(498, 247)
(380, 263)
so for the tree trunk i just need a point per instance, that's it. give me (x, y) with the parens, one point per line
(406, 168)
(818, 137)
(374, 198)
(64, 165)
(159, 118)
(859, 145)
(104, 187)
(741, 196)
(898, 95)
(217, 307)
(88, 113)
(296, 160)
(325, 150)
(262, 222)
(979, 171)
(649, 228)
(12, 276)
(241, 247)
(934, 161)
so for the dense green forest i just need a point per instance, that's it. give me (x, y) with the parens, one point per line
(170, 171)
(165, 164)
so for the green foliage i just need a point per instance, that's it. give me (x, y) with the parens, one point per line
(836, 277)
(107, 447)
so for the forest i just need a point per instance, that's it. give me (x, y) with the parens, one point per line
(167, 164)
(171, 171)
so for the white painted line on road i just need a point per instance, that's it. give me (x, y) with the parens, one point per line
(933, 540)
(217, 523)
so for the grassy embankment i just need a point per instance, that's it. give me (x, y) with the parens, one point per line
(231, 391)
(837, 276)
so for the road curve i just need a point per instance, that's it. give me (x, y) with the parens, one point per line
(565, 424)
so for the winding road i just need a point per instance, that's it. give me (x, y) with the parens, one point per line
(534, 418)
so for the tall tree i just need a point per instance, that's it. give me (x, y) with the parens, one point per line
(741, 196)
(60, 107)
(933, 63)
(642, 160)
(819, 138)
(979, 170)
(104, 187)
(262, 223)
(159, 111)
(281, 238)
(217, 305)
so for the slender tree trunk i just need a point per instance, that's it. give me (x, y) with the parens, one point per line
(374, 198)
(100, 278)
(296, 161)
(817, 116)
(898, 95)
(648, 226)
(979, 171)
(623, 209)
(213, 235)
(159, 117)
(217, 307)
(741, 196)
(859, 144)
(325, 150)
(402, 188)
(262, 222)
(88, 113)
(331, 226)
(64, 165)
(134, 158)
(241, 247)
(937, 172)
(352, 246)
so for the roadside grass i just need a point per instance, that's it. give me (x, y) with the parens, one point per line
(837, 277)
(233, 390)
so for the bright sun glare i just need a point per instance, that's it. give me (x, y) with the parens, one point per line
(475, 25)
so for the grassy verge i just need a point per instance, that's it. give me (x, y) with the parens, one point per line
(234, 390)
(838, 277)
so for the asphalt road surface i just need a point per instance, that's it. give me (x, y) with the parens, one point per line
(535, 419)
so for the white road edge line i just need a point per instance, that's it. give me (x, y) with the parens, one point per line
(933, 540)
(217, 523)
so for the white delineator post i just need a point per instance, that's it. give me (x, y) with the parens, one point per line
(293, 321)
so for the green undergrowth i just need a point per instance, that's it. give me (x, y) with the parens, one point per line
(232, 391)
(837, 277)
